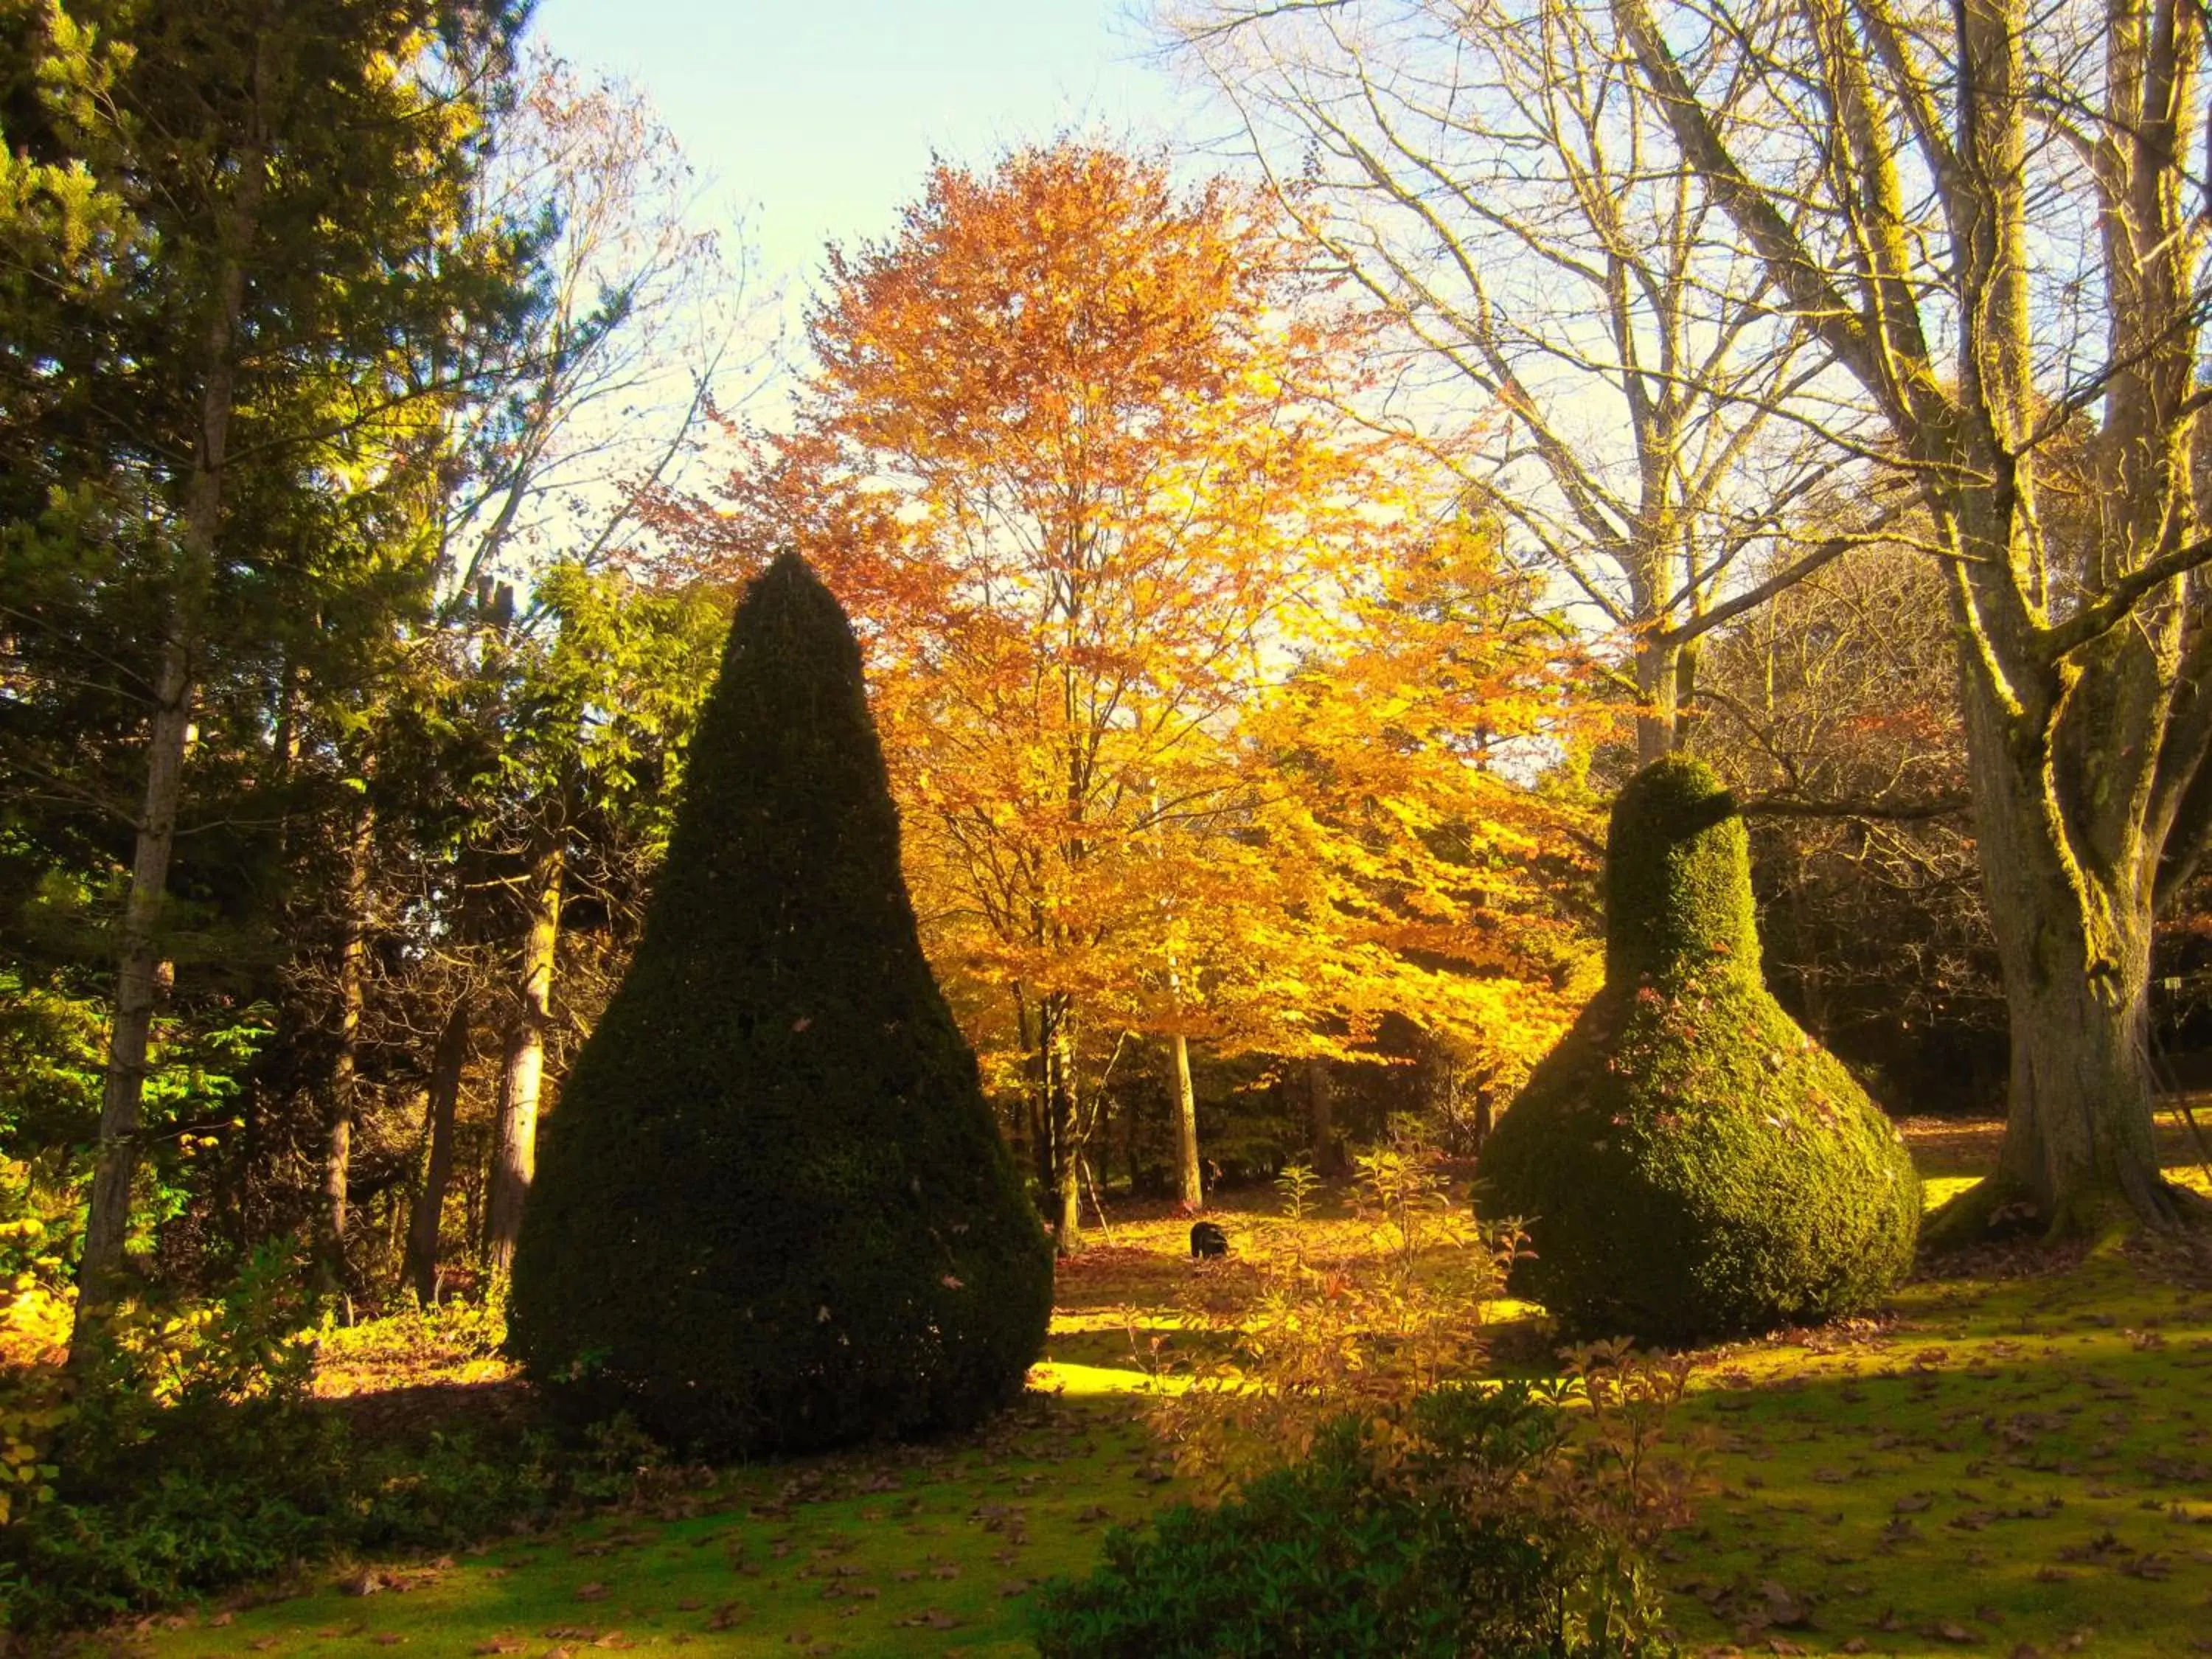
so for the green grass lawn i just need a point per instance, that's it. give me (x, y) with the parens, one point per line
(2016, 1456)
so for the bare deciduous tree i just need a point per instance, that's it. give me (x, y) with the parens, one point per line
(1496, 177)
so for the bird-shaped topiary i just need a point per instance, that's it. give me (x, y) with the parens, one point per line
(773, 1213)
(1689, 1163)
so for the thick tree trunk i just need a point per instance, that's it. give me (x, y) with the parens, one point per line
(2072, 896)
(2080, 1155)
(446, 1066)
(1658, 676)
(522, 1064)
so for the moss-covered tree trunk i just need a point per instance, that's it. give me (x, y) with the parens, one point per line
(2074, 926)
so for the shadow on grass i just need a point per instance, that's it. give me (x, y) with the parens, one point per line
(2013, 1464)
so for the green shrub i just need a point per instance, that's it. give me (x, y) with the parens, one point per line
(772, 1211)
(1689, 1162)
(1432, 1537)
(190, 1457)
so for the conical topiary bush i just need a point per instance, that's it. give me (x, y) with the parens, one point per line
(772, 1211)
(1691, 1164)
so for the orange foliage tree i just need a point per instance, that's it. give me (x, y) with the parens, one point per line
(1206, 722)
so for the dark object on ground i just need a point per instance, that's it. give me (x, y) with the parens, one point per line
(1353, 1554)
(773, 1213)
(1691, 1164)
(1207, 1239)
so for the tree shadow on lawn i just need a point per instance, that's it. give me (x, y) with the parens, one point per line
(898, 1550)
(2021, 1462)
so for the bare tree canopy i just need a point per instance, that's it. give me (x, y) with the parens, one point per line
(1500, 182)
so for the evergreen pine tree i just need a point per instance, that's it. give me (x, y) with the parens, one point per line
(772, 1211)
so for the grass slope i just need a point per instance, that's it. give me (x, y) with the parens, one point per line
(2016, 1456)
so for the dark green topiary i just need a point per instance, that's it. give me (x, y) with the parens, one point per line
(772, 1211)
(1693, 1165)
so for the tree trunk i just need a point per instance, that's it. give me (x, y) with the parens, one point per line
(1190, 1186)
(522, 1065)
(2080, 1154)
(341, 1106)
(115, 1163)
(1658, 670)
(1063, 1127)
(1321, 1124)
(446, 1066)
(1033, 1125)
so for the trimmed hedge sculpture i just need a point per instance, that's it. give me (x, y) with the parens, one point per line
(772, 1211)
(1690, 1163)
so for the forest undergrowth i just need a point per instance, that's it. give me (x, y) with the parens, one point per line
(2015, 1457)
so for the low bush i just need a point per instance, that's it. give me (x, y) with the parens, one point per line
(185, 1456)
(1454, 1525)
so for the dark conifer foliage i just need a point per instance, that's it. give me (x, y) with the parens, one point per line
(1690, 1163)
(772, 1212)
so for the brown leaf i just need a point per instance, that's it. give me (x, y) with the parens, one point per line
(594, 1591)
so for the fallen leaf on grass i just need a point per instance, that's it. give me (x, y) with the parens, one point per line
(492, 1644)
(929, 1618)
(594, 1591)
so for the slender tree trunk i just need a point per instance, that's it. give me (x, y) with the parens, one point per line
(341, 1107)
(1190, 1185)
(522, 1065)
(1038, 1141)
(1056, 1040)
(1321, 1101)
(168, 736)
(446, 1066)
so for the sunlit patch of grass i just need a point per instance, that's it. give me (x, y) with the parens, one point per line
(1936, 1190)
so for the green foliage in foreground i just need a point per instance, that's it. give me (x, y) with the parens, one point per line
(1689, 1163)
(191, 1458)
(1367, 1550)
(773, 1213)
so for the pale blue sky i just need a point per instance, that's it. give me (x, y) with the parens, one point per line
(820, 116)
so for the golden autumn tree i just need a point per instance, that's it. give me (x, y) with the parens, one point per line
(1075, 455)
